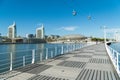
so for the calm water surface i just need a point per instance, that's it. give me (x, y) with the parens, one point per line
(116, 46)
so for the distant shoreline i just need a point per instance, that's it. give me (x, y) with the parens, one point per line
(22, 43)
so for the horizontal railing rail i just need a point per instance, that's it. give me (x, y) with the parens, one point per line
(115, 57)
(16, 59)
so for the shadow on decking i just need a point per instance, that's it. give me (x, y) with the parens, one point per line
(33, 68)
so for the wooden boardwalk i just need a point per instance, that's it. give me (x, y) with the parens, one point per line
(89, 63)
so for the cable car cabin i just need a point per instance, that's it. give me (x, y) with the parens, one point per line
(74, 13)
(89, 17)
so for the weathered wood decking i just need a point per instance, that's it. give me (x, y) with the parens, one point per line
(89, 63)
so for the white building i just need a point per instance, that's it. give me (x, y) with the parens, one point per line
(117, 36)
(40, 32)
(12, 31)
(53, 36)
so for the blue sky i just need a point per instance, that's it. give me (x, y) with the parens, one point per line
(56, 15)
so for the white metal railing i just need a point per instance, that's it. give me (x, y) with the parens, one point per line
(115, 58)
(17, 59)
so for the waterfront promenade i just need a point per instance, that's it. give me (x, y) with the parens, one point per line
(88, 63)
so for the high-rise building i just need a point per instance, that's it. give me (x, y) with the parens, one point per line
(12, 31)
(40, 32)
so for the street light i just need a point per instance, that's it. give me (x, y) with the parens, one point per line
(105, 34)
(104, 29)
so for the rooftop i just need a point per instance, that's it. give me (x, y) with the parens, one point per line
(73, 36)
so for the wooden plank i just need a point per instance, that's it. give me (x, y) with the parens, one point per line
(94, 76)
(80, 75)
(105, 75)
(109, 75)
(88, 74)
(91, 75)
(113, 76)
(98, 75)
(84, 75)
(102, 75)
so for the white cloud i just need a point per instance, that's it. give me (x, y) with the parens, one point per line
(71, 28)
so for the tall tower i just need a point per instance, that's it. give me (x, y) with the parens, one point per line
(12, 31)
(40, 32)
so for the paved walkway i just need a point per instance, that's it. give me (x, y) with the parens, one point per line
(89, 63)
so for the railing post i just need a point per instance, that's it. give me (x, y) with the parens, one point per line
(117, 61)
(114, 54)
(80, 46)
(62, 50)
(23, 60)
(77, 46)
(74, 46)
(71, 47)
(67, 49)
(51, 54)
(40, 56)
(55, 51)
(46, 57)
(11, 61)
(33, 56)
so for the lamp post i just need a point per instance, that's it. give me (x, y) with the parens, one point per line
(104, 34)
(104, 30)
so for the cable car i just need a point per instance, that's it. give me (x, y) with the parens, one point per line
(74, 13)
(89, 17)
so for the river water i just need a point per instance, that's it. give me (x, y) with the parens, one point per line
(116, 46)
